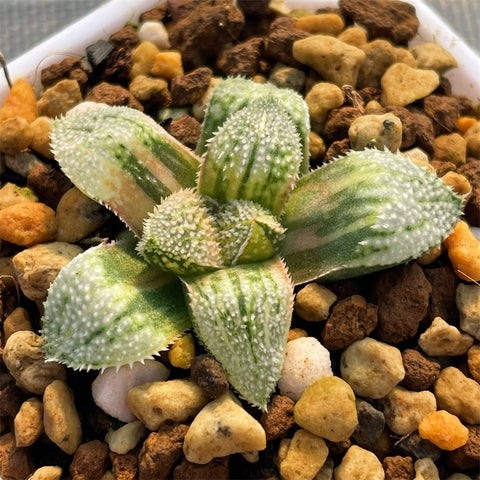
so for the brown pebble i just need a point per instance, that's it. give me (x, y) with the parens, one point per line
(58, 71)
(420, 372)
(90, 461)
(398, 468)
(278, 419)
(242, 59)
(187, 89)
(117, 66)
(337, 149)
(124, 466)
(471, 170)
(125, 37)
(443, 112)
(209, 375)
(15, 462)
(11, 398)
(217, 469)
(113, 95)
(339, 121)
(467, 456)
(444, 283)
(186, 130)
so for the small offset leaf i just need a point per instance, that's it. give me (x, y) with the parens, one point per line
(242, 315)
(180, 235)
(254, 156)
(121, 158)
(108, 308)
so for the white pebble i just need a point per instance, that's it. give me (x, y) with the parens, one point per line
(306, 360)
(125, 438)
(110, 388)
(154, 32)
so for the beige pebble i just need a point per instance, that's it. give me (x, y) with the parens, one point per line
(441, 338)
(18, 320)
(459, 184)
(473, 359)
(282, 450)
(222, 428)
(425, 469)
(126, 437)
(143, 58)
(373, 105)
(472, 137)
(41, 128)
(28, 422)
(433, 56)
(404, 409)
(167, 65)
(323, 97)
(152, 90)
(60, 417)
(15, 135)
(380, 54)
(355, 36)
(376, 131)
(327, 409)
(372, 368)
(359, 464)
(156, 402)
(313, 302)
(324, 23)
(78, 216)
(467, 299)
(451, 147)
(305, 456)
(316, 146)
(459, 476)
(38, 266)
(10, 194)
(417, 155)
(337, 61)
(27, 223)
(47, 473)
(59, 99)
(402, 85)
(458, 394)
(24, 357)
(403, 55)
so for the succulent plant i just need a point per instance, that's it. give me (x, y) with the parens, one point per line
(360, 213)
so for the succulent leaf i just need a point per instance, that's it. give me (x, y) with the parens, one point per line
(180, 235)
(254, 156)
(242, 315)
(233, 94)
(108, 307)
(121, 158)
(364, 212)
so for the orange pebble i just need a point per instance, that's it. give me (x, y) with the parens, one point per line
(20, 102)
(464, 123)
(295, 333)
(464, 252)
(444, 430)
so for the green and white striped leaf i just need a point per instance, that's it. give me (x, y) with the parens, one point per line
(254, 156)
(121, 158)
(242, 315)
(108, 308)
(364, 212)
(234, 93)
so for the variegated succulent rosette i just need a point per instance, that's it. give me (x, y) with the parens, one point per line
(221, 236)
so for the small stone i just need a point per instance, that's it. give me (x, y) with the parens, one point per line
(22, 163)
(468, 304)
(143, 59)
(351, 319)
(338, 122)
(24, 357)
(473, 143)
(458, 394)
(316, 147)
(113, 95)
(40, 129)
(451, 148)
(325, 23)
(126, 37)
(59, 71)
(222, 428)
(189, 88)
(360, 464)
(154, 32)
(305, 456)
(160, 451)
(322, 98)
(60, 98)
(442, 338)
(47, 473)
(306, 360)
(425, 469)
(413, 445)
(468, 455)
(398, 468)
(15, 462)
(60, 417)
(471, 170)
(154, 403)
(90, 461)
(433, 56)
(242, 59)
(18, 320)
(473, 356)
(371, 423)
(126, 437)
(124, 467)
(380, 54)
(420, 372)
(443, 429)
(444, 283)
(403, 85)
(11, 398)
(209, 375)
(313, 302)
(37, 267)
(148, 90)
(376, 131)
(287, 77)
(443, 111)
(49, 184)
(334, 60)
(372, 368)
(327, 409)
(29, 422)
(404, 410)
(186, 129)
(278, 419)
(216, 469)
(110, 388)
(10, 194)
(27, 223)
